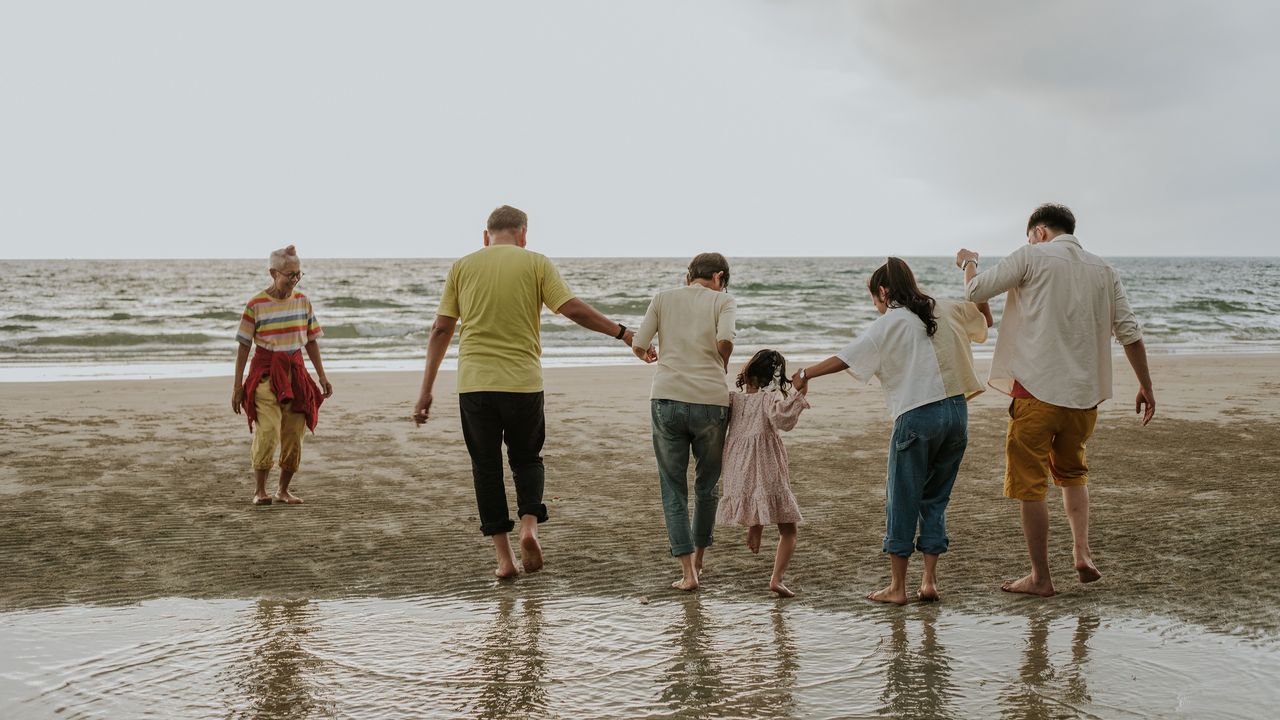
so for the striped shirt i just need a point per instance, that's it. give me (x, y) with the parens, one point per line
(278, 325)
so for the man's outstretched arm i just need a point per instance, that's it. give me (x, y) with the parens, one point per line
(591, 319)
(1136, 353)
(437, 346)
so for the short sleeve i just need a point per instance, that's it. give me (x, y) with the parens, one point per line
(1124, 324)
(784, 412)
(555, 291)
(862, 356)
(248, 325)
(727, 320)
(313, 325)
(973, 322)
(449, 298)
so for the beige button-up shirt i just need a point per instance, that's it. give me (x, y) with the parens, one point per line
(1064, 305)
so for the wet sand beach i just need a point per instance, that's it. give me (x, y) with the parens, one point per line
(115, 493)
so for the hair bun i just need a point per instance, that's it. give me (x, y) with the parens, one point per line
(290, 251)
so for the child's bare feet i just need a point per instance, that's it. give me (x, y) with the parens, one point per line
(530, 552)
(286, 497)
(889, 595)
(782, 590)
(1027, 586)
(1087, 571)
(753, 537)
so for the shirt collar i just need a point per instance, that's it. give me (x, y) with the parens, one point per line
(1068, 238)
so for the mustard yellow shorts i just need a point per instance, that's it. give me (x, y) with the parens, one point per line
(1045, 441)
(276, 425)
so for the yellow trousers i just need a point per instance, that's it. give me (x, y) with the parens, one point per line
(276, 424)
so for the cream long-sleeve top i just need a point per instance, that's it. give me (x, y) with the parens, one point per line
(1063, 308)
(688, 322)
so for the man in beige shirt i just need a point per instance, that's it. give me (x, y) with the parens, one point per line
(1053, 357)
(689, 403)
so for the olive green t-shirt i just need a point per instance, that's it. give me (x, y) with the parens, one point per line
(497, 295)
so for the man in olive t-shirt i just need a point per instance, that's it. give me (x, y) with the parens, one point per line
(497, 294)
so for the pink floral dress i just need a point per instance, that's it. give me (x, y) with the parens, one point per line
(755, 481)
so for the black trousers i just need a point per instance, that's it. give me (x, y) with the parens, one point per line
(488, 420)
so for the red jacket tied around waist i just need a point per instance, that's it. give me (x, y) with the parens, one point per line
(290, 383)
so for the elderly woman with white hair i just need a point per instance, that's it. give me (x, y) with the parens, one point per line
(278, 393)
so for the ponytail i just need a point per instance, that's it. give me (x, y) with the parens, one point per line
(901, 290)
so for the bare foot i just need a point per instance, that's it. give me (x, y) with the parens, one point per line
(781, 589)
(287, 498)
(928, 593)
(1027, 587)
(889, 595)
(688, 585)
(506, 572)
(753, 537)
(261, 499)
(530, 552)
(1088, 572)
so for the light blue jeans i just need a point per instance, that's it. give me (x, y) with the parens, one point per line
(679, 427)
(924, 459)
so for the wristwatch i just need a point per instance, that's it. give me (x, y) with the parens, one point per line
(622, 330)
(966, 262)
(803, 376)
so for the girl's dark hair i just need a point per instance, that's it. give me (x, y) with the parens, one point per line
(761, 368)
(901, 290)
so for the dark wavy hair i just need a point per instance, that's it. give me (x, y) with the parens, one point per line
(760, 369)
(901, 290)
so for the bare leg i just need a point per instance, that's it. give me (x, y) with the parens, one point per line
(698, 553)
(1075, 500)
(260, 496)
(283, 495)
(753, 537)
(786, 548)
(506, 560)
(929, 581)
(1035, 527)
(896, 593)
(689, 581)
(530, 550)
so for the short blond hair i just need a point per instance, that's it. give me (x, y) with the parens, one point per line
(507, 218)
(282, 256)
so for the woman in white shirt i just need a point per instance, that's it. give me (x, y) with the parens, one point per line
(919, 349)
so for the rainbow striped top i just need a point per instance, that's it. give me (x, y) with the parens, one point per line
(278, 325)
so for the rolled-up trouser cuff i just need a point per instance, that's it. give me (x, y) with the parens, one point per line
(504, 526)
(539, 511)
(679, 550)
(898, 548)
(932, 548)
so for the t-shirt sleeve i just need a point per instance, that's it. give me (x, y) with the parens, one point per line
(449, 298)
(313, 325)
(555, 291)
(973, 322)
(248, 325)
(727, 320)
(862, 356)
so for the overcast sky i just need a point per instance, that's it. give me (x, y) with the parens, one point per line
(380, 129)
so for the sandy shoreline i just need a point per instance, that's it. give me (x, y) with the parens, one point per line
(119, 491)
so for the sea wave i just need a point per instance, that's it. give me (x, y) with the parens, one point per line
(346, 301)
(347, 331)
(119, 339)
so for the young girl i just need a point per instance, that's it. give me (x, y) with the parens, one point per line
(919, 348)
(279, 322)
(755, 479)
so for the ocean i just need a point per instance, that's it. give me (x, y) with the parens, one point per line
(69, 319)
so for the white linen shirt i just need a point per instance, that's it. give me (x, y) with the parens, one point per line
(1064, 305)
(897, 349)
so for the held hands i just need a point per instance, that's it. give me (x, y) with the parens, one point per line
(422, 410)
(237, 398)
(801, 384)
(964, 255)
(1145, 405)
(649, 356)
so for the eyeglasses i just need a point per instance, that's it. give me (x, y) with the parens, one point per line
(294, 276)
